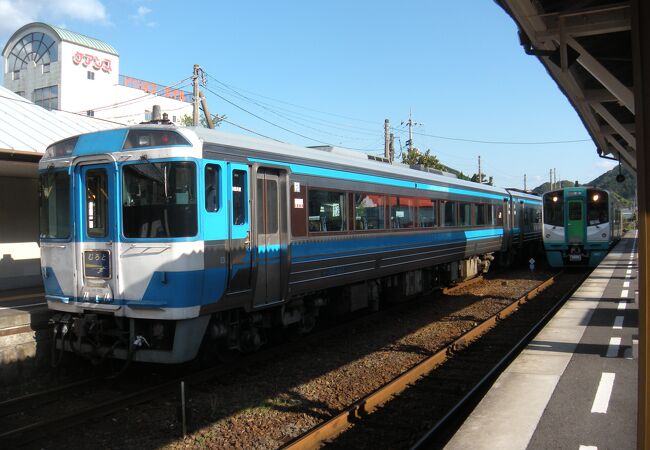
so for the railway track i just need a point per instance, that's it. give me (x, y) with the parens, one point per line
(360, 412)
(97, 404)
(33, 416)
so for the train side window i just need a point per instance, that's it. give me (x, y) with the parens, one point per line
(238, 197)
(489, 214)
(212, 175)
(326, 211)
(465, 214)
(449, 218)
(369, 211)
(96, 203)
(480, 214)
(402, 212)
(427, 212)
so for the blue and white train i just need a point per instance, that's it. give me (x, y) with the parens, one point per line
(580, 226)
(159, 241)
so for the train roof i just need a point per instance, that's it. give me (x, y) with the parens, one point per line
(576, 189)
(345, 159)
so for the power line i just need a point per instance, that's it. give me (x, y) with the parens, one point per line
(287, 115)
(477, 141)
(137, 99)
(263, 119)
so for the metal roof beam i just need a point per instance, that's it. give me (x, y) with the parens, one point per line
(615, 124)
(585, 23)
(623, 93)
(623, 152)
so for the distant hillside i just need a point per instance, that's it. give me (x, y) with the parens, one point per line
(625, 191)
(545, 187)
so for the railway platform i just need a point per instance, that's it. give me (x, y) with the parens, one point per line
(575, 385)
(23, 331)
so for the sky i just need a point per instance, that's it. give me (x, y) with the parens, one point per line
(330, 72)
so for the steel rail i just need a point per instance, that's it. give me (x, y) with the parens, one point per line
(14, 405)
(491, 376)
(39, 429)
(315, 437)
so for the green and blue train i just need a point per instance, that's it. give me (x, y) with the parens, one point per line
(580, 226)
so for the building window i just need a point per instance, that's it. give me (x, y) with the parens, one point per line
(173, 118)
(15, 75)
(90, 75)
(147, 115)
(46, 68)
(90, 113)
(36, 48)
(47, 97)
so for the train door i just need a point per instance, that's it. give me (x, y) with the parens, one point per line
(269, 225)
(521, 221)
(575, 222)
(96, 235)
(239, 238)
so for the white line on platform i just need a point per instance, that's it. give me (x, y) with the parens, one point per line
(635, 348)
(626, 284)
(622, 305)
(587, 447)
(624, 293)
(618, 323)
(21, 306)
(614, 345)
(628, 272)
(604, 392)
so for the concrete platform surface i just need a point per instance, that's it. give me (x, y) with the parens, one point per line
(575, 385)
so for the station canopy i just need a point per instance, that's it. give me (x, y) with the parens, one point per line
(586, 47)
(26, 130)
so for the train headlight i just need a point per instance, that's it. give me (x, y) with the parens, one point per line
(595, 197)
(555, 199)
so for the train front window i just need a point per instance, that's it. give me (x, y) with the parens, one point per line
(54, 205)
(597, 207)
(554, 209)
(159, 200)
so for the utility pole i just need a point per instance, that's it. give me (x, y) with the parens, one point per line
(555, 178)
(410, 123)
(387, 139)
(480, 178)
(391, 148)
(550, 179)
(525, 182)
(195, 96)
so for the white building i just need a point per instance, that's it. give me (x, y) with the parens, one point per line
(62, 70)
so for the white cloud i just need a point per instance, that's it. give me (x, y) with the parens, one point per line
(606, 164)
(143, 11)
(16, 13)
(140, 17)
(86, 10)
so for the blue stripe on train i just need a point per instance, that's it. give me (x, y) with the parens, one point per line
(197, 287)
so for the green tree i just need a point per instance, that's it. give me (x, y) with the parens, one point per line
(484, 179)
(186, 120)
(415, 157)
